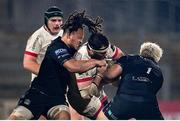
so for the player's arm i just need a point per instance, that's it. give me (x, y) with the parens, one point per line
(80, 66)
(32, 49)
(94, 87)
(30, 63)
(74, 96)
(113, 72)
(86, 107)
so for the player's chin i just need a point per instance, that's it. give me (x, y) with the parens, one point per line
(56, 31)
(76, 47)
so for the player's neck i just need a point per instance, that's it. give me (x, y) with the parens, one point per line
(66, 39)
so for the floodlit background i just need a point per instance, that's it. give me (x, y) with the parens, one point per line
(127, 23)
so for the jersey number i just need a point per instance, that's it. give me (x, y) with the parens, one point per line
(149, 70)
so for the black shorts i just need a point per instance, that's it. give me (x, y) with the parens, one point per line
(39, 103)
(121, 108)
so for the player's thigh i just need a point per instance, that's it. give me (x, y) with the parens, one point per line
(28, 106)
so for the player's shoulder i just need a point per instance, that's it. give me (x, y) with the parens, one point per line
(40, 30)
(57, 43)
(38, 33)
(57, 47)
(133, 57)
(129, 57)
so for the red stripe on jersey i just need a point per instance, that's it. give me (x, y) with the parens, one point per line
(30, 53)
(85, 79)
(117, 53)
(102, 105)
(104, 99)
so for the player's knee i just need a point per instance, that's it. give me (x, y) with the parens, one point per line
(63, 115)
(60, 112)
(21, 113)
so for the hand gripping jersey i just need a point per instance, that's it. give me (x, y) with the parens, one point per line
(37, 44)
(86, 78)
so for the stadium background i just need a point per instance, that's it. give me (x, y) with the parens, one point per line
(127, 23)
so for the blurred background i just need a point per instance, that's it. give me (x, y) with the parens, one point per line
(127, 23)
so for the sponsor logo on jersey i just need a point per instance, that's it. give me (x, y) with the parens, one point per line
(60, 51)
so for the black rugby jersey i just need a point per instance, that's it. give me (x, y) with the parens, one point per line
(53, 77)
(140, 76)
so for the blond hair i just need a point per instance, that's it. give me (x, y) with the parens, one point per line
(149, 49)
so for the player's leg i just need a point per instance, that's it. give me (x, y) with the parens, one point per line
(59, 112)
(42, 118)
(21, 113)
(30, 106)
(119, 109)
(75, 115)
(101, 116)
(149, 111)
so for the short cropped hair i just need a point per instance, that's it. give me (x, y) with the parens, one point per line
(98, 42)
(153, 50)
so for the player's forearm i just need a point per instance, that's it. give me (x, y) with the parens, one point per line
(74, 95)
(33, 67)
(80, 66)
(87, 65)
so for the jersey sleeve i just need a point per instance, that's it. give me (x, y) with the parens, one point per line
(34, 45)
(114, 52)
(61, 55)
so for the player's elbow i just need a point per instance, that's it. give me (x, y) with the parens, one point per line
(109, 76)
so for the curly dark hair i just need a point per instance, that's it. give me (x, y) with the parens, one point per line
(77, 19)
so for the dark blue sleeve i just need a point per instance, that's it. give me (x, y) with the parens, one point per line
(61, 55)
(122, 61)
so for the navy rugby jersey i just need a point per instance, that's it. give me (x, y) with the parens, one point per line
(53, 76)
(140, 76)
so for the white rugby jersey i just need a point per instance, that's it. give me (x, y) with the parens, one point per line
(37, 44)
(86, 78)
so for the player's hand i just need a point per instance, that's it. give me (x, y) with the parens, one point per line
(101, 69)
(110, 62)
(100, 63)
(93, 90)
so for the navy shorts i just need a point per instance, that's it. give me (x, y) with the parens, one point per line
(123, 108)
(39, 103)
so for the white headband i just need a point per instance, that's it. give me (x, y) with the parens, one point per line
(99, 51)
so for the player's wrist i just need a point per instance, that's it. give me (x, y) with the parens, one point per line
(95, 84)
(99, 75)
